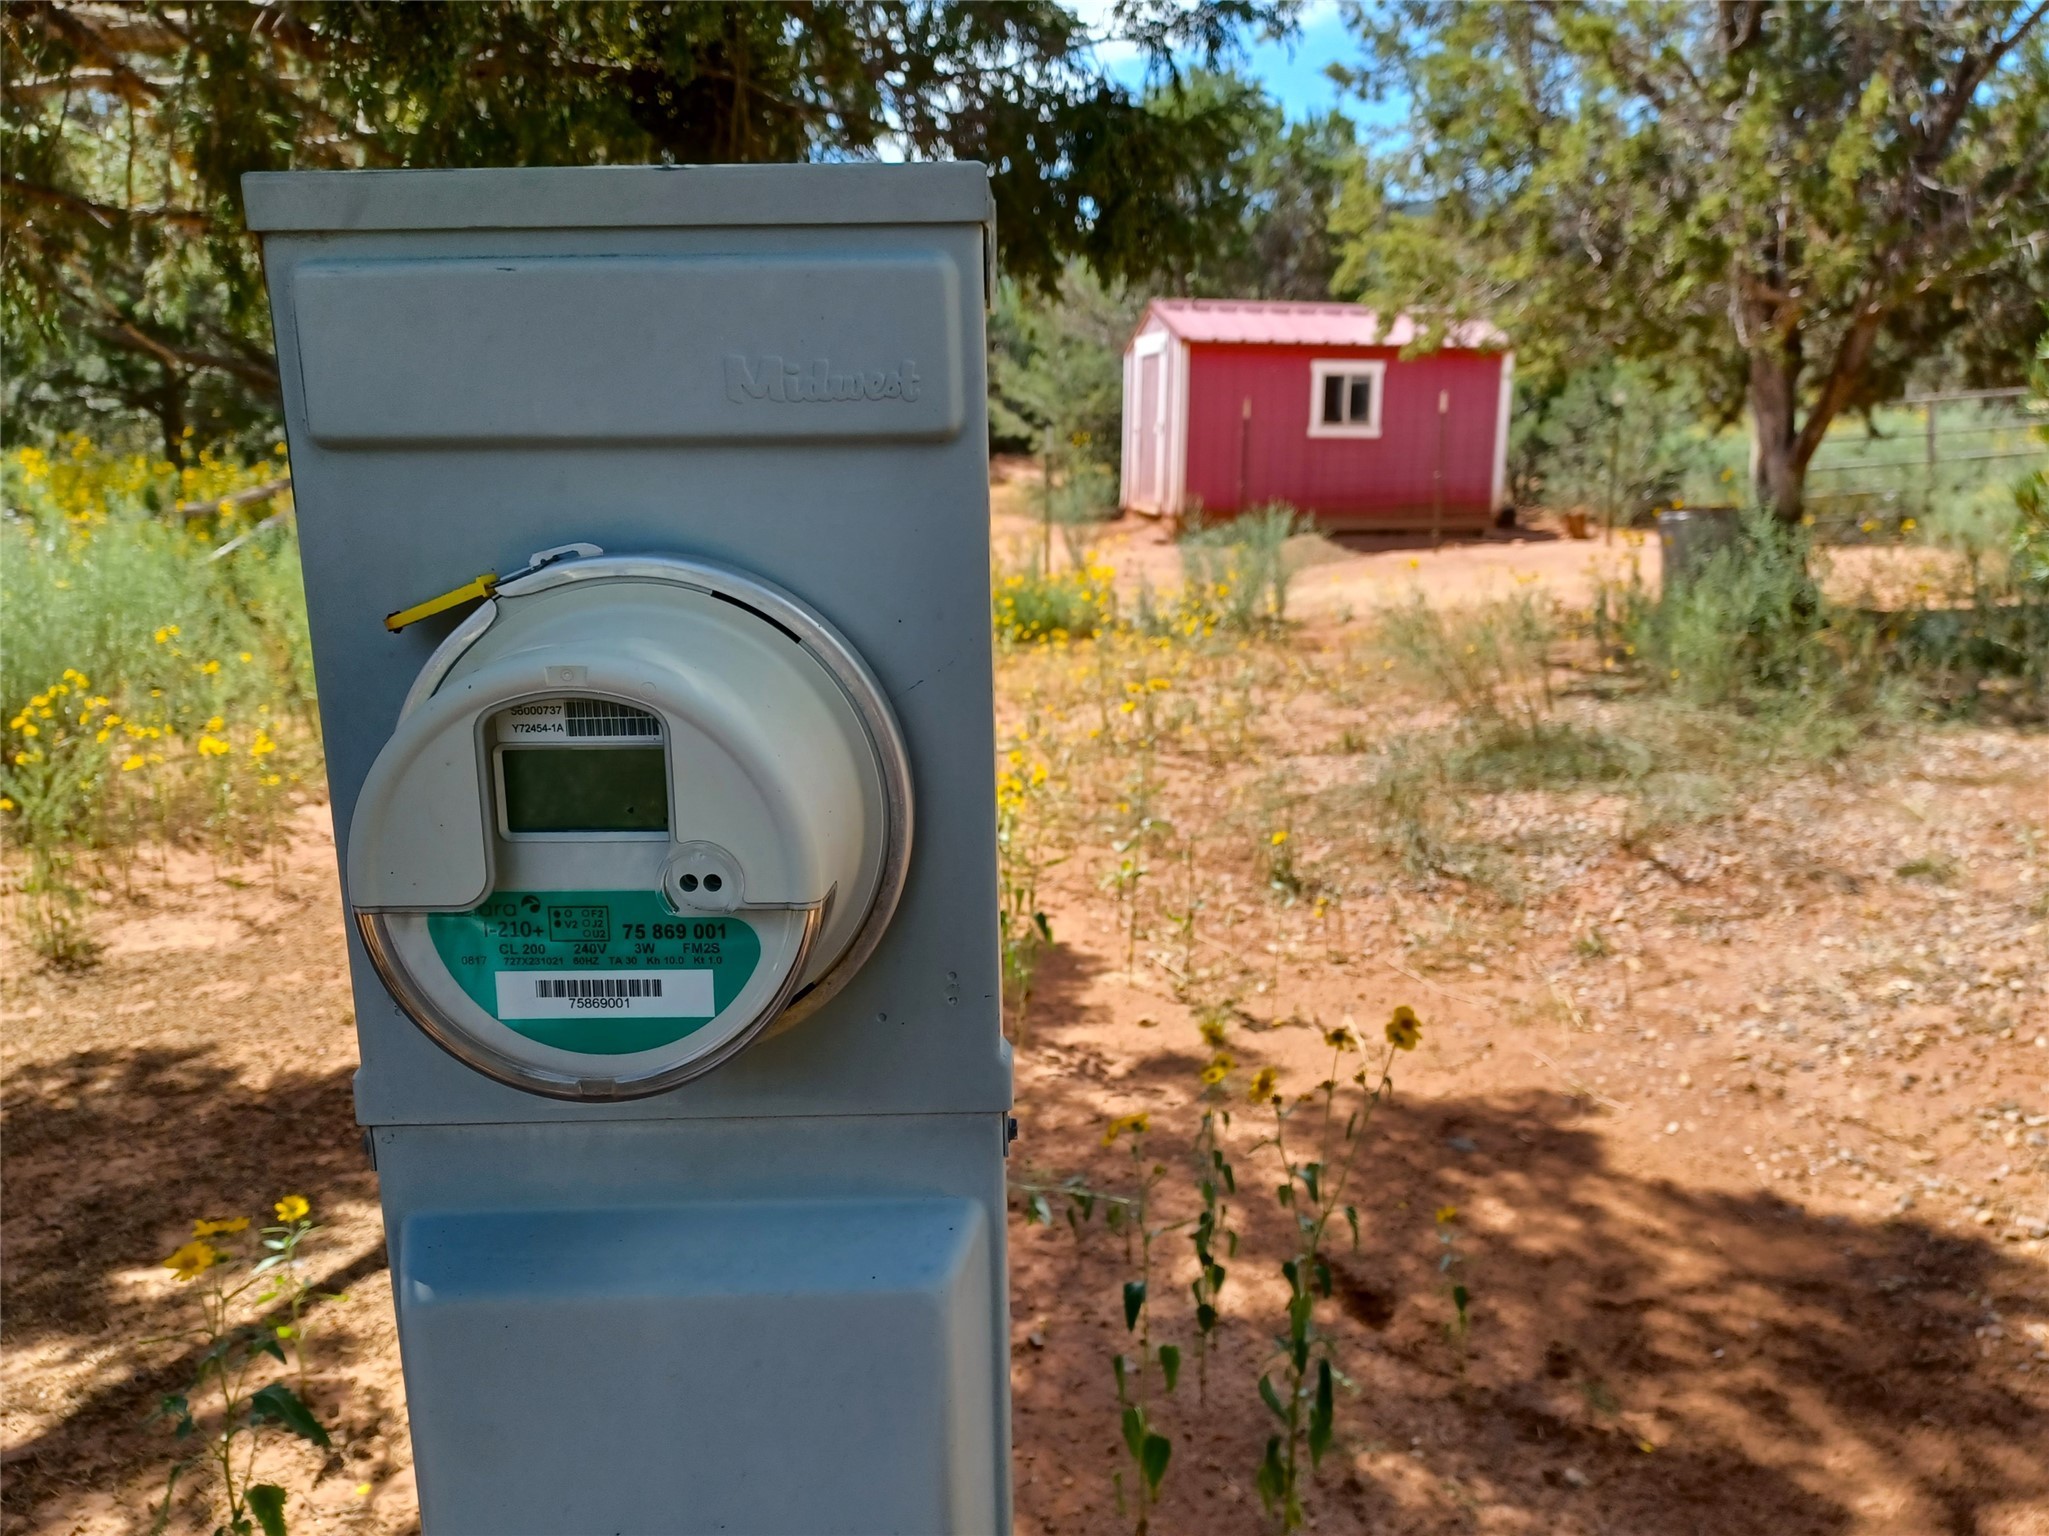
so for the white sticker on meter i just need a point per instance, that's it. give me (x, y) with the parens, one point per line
(577, 994)
(587, 720)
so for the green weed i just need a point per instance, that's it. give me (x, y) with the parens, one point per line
(1492, 660)
(150, 691)
(1032, 603)
(251, 1305)
(1314, 1192)
(1237, 573)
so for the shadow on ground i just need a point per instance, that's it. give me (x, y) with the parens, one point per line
(110, 1157)
(1377, 543)
(1644, 1358)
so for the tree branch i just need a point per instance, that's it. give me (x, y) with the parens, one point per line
(131, 337)
(1845, 369)
(66, 26)
(105, 213)
(1742, 25)
(1964, 85)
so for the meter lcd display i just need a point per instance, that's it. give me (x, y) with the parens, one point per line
(584, 789)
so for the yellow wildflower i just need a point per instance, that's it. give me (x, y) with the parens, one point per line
(205, 1228)
(1264, 1082)
(131, 762)
(212, 746)
(292, 1208)
(1278, 838)
(1404, 1029)
(1135, 1124)
(193, 1260)
(209, 667)
(1218, 1069)
(1446, 1215)
(1340, 1039)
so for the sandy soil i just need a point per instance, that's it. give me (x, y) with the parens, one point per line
(1748, 1132)
(1751, 1205)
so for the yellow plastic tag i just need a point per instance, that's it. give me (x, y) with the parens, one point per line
(468, 592)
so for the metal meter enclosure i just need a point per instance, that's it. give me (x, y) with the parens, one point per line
(668, 843)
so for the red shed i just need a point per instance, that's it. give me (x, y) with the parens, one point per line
(1230, 404)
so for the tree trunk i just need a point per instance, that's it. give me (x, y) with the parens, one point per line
(1778, 472)
(170, 414)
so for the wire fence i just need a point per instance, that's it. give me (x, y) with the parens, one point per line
(1925, 450)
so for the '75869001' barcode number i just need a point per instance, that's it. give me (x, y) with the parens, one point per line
(597, 991)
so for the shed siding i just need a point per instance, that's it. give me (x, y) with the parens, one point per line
(1343, 481)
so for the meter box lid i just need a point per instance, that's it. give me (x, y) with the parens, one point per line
(765, 385)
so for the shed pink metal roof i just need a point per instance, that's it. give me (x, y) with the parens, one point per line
(1280, 322)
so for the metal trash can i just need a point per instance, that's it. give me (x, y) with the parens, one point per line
(1690, 537)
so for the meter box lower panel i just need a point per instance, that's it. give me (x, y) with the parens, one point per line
(672, 1369)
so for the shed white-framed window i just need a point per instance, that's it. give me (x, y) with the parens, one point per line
(1344, 397)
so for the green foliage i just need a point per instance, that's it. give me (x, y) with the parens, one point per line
(1318, 1179)
(1793, 206)
(1748, 627)
(1753, 632)
(1501, 756)
(1055, 367)
(1492, 660)
(267, 1503)
(1237, 572)
(250, 1310)
(1022, 858)
(1148, 1449)
(1284, 180)
(1612, 439)
(1056, 347)
(2028, 553)
(130, 287)
(150, 690)
(1032, 604)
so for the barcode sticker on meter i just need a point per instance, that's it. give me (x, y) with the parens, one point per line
(574, 994)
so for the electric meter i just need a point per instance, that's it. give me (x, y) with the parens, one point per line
(636, 811)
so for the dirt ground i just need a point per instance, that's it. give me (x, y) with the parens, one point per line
(1351, 575)
(1747, 1130)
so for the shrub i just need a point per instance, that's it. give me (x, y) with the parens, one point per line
(1237, 573)
(149, 689)
(1491, 660)
(1033, 604)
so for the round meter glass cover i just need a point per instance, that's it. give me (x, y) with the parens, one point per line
(577, 950)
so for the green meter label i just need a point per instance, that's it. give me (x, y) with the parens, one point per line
(601, 972)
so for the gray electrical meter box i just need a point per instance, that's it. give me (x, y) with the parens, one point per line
(644, 514)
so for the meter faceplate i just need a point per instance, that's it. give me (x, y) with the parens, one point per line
(691, 811)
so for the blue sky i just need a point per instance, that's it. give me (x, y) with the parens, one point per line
(1291, 71)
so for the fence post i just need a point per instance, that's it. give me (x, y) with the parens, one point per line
(1928, 504)
(1437, 479)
